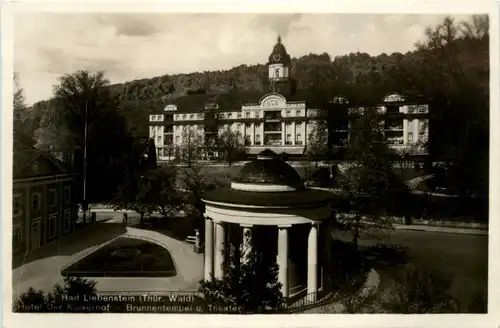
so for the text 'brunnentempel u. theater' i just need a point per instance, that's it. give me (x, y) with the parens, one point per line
(281, 118)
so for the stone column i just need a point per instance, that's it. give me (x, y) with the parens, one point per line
(416, 130)
(283, 258)
(312, 262)
(252, 135)
(283, 133)
(262, 133)
(209, 249)
(405, 132)
(294, 133)
(246, 243)
(219, 250)
(306, 138)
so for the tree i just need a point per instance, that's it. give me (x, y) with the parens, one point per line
(139, 193)
(457, 59)
(83, 103)
(192, 145)
(369, 184)
(231, 145)
(252, 286)
(317, 145)
(168, 200)
(195, 181)
(23, 122)
(415, 290)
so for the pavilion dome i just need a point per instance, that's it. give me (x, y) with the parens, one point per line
(267, 174)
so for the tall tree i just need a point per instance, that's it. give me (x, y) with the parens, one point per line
(231, 146)
(458, 56)
(191, 146)
(23, 122)
(139, 193)
(84, 115)
(317, 144)
(369, 183)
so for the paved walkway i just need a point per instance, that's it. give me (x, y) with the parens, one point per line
(428, 228)
(42, 271)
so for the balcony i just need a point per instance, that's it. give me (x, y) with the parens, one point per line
(272, 127)
(395, 141)
(394, 128)
(272, 116)
(273, 140)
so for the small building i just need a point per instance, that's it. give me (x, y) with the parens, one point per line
(43, 198)
(268, 207)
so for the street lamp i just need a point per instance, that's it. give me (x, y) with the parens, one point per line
(84, 202)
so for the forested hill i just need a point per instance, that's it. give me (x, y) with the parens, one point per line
(357, 76)
(451, 63)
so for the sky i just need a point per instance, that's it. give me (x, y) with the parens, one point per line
(130, 46)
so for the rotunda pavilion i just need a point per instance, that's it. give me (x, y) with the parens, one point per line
(268, 207)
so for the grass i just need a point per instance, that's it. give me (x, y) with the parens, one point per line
(461, 258)
(125, 257)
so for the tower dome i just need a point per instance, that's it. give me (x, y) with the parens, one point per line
(279, 54)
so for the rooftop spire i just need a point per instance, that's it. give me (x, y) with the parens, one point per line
(279, 38)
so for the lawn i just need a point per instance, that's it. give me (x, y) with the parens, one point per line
(125, 257)
(461, 258)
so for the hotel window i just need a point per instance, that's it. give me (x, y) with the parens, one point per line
(177, 139)
(17, 238)
(288, 139)
(67, 194)
(200, 116)
(52, 226)
(257, 139)
(191, 117)
(36, 201)
(159, 139)
(298, 139)
(183, 116)
(247, 114)
(17, 206)
(67, 221)
(52, 197)
(299, 113)
(287, 113)
(257, 115)
(410, 136)
(239, 115)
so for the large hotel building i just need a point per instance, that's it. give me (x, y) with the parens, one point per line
(280, 118)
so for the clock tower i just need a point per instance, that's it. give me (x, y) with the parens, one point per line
(278, 70)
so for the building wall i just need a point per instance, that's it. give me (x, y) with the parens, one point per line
(48, 205)
(276, 122)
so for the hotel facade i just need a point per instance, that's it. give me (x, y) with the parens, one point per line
(281, 119)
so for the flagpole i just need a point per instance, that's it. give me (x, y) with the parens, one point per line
(85, 204)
